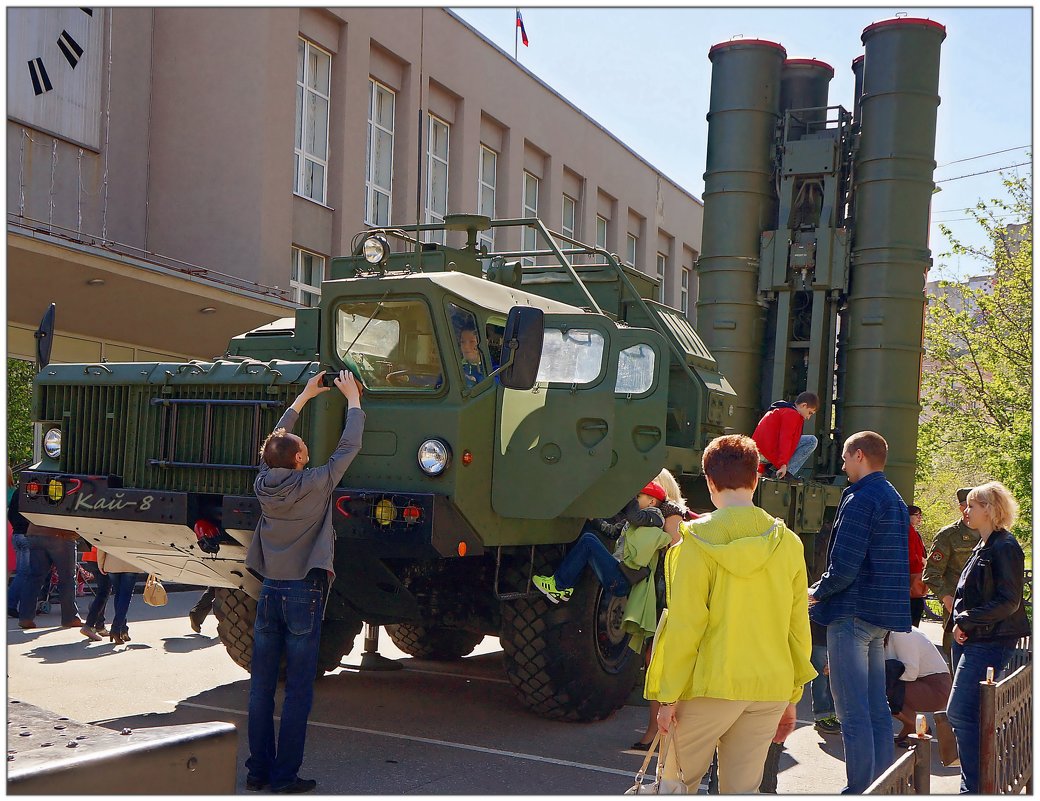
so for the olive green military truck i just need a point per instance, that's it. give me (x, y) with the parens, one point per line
(513, 395)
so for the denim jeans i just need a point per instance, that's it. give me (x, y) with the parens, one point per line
(589, 550)
(102, 589)
(969, 668)
(46, 550)
(822, 700)
(806, 445)
(21, 571)
(288, 621)
(856, 651)
(123, 589)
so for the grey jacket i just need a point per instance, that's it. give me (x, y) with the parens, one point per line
(295, 530)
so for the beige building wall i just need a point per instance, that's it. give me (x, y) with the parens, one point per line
(192, 186)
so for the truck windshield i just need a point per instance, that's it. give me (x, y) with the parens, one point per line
(392, 344)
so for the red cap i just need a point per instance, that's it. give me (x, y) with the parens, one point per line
(654, 490)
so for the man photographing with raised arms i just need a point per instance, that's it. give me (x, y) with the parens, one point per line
(293, 550)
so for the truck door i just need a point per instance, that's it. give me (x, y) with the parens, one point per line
(556, 440)
(638, 369)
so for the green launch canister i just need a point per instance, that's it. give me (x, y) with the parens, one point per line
(739, 203)
(890, 255)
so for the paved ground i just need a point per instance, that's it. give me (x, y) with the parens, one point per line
(432, 728)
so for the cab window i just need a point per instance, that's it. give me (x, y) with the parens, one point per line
(635, 373)
(572, 357)
(493, 336)
(391, 343)
(467, 341)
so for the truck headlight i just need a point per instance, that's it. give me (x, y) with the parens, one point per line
(434, 457)
(52, 443)
(376, 250)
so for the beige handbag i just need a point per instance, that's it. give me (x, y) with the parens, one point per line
(154, 591)
(660, 785)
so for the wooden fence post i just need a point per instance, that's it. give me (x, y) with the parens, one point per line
(987, 735)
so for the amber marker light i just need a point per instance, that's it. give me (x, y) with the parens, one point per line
(55, 490)
(462, 549)
(467, 458)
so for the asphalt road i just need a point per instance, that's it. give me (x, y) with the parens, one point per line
(431, 728)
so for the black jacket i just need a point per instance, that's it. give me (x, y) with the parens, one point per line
(988, 605)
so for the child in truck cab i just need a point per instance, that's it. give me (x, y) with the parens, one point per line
(639, 529)
(779, 437)
(472, 368)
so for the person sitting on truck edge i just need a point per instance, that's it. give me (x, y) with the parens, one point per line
(471, 361)
(629, 564)
(779, 436)
(293, 551)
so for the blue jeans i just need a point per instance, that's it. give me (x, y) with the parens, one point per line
(123, 589)
(102, 589)
(46, 550)
(822, 700)
(21, 571)
(856, 651)
(589, 550)
(806, 445)
(969, 668)
(288, 620)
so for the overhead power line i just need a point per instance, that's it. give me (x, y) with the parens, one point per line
(984, 172)
(981, 156)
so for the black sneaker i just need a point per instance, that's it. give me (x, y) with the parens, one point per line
(298, 786)
(829, 725)
(255, 785)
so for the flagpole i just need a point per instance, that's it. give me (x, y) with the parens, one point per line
(516, 35)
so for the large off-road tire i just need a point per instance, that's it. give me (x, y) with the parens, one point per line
(236, 613)
(433, 642)
(569, 661)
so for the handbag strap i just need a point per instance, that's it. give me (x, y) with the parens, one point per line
(649, 755)
(666, 743)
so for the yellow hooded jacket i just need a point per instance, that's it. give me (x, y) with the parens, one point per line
(738, 615)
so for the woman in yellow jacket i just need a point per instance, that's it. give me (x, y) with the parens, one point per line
(730, 661)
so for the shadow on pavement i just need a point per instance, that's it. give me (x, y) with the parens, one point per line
(78, 651)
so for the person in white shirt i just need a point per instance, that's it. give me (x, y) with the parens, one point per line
(926, 676)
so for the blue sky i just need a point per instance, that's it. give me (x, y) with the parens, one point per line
(644, 74)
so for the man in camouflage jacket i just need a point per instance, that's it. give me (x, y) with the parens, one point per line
(950, 551)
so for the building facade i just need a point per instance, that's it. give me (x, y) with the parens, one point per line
(177, 176)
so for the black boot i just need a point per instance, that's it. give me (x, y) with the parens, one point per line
(772, 768)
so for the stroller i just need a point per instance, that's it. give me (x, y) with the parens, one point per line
(49, 593)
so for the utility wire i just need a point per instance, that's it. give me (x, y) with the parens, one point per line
(984, 172)
(981, 156)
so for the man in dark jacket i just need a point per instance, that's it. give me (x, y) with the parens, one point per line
(293, 550)
(864, 594)
(779, 436)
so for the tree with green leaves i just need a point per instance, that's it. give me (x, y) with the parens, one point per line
(19, 421)
(977, 385)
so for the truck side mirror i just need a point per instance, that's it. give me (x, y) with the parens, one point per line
(45, 338)
(522, 342)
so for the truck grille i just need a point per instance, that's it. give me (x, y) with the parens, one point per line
(197, 438)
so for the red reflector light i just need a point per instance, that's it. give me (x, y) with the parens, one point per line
(411, 514)
(32, 489)
(467, 458)
(462, 549)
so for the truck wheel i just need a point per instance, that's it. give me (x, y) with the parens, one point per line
(236, 614)
(569, 661)
(433, 642)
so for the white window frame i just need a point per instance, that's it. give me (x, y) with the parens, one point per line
(371, 187)
(433, 159)
(530, 234)
(631, 250)
(304, 124)
(490, 183)
(298, 286)
(684, 294)
(662, 272)
(602, 226)
(569, 230)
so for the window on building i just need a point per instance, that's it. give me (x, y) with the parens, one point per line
(530, 210)
(437, 177)
(570, 215)
(630, 251)
(601, 232)
(684, 296)
(313, 73)
(380, 154)
(488, 181)
(308, 271)
(662, 268)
